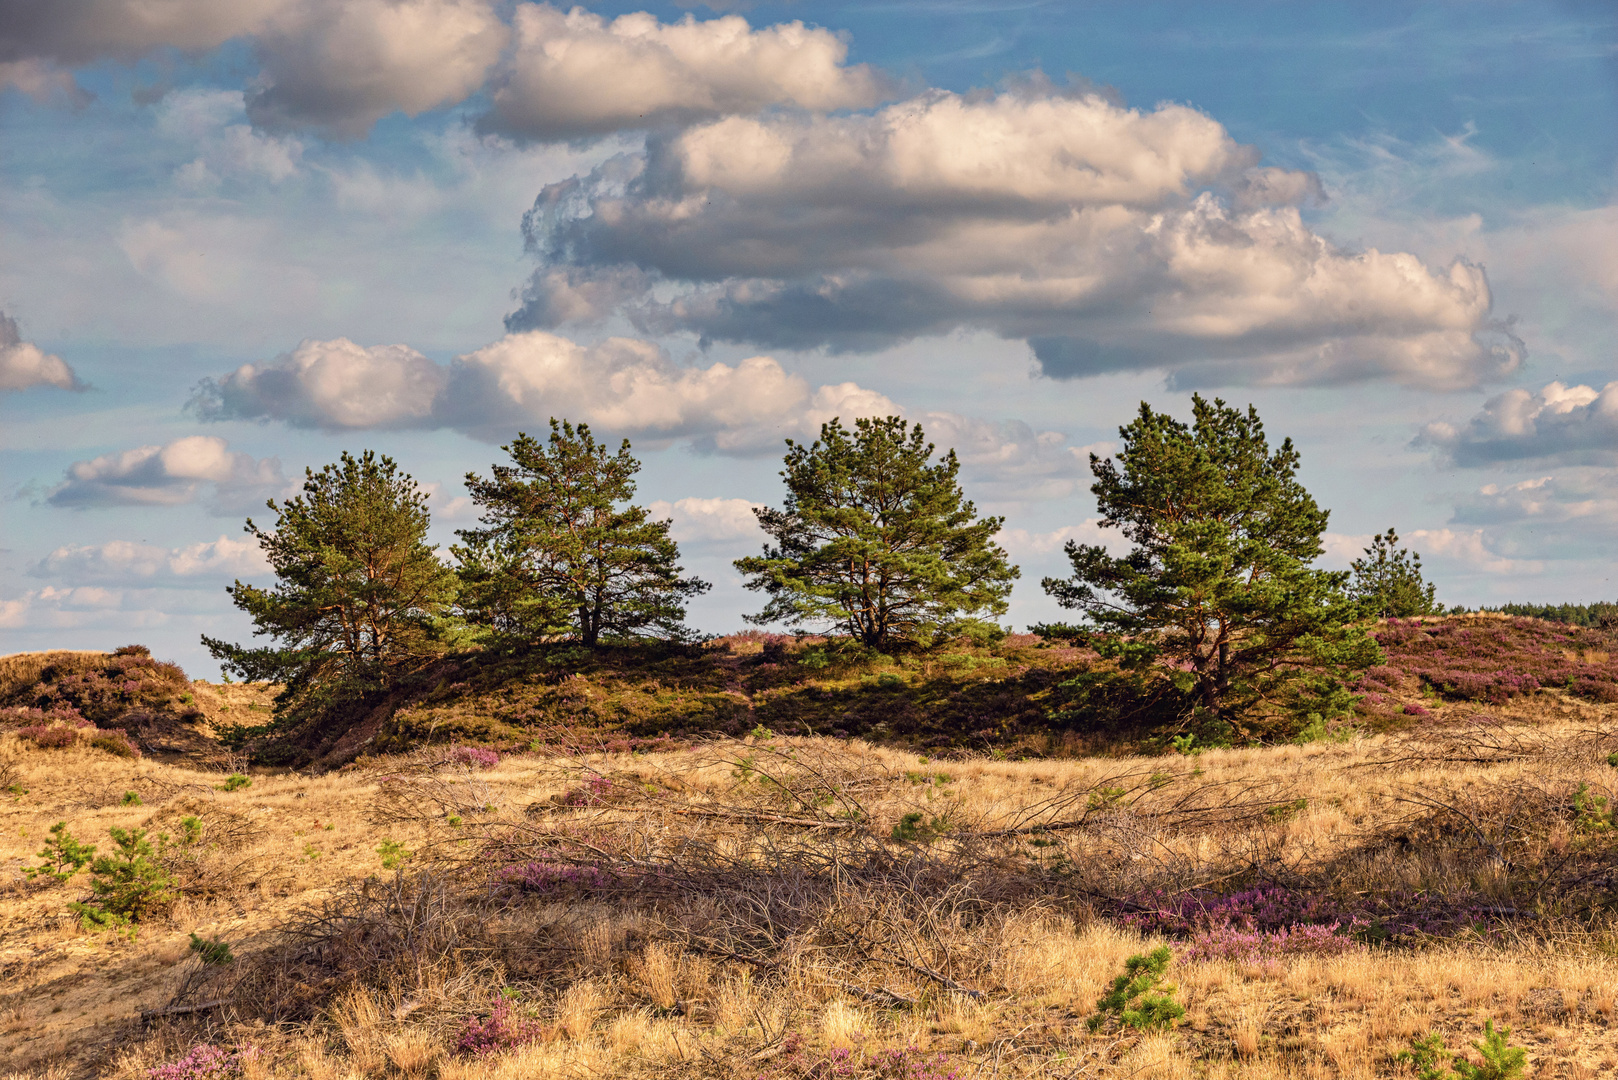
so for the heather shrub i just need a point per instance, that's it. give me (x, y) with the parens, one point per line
(503, 1029)
(474, 756)
(205, 1062)
(553, 879)
(1235, 943)
(101, 688)
(116, 743)
(593, 792)
(1494, 660)
(1261, 909)
(49, 737)
(1138, 998)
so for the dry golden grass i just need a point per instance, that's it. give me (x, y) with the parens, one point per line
(755, 918)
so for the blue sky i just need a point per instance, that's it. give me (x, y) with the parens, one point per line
(236, 240)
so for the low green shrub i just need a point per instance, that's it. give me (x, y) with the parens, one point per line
(215, 953)
(235, 782)
(393, 853)
(1137, 998)
(64, 856)
(125, 887)
(1431, 1059)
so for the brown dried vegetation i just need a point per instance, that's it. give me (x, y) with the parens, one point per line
(789, 907)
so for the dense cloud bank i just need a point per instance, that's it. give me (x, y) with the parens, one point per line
(1109, 238)
(575, 74)
(338, 66)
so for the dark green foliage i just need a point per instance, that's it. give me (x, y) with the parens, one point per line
(1136, 998)
(1501, 1061)
(393, 853)
(1592, 812)
(131, 798)
(1602, 615)
(357, 591)
(1431, 1058)
(1387, 582)
(63, 855)
(560, 555)
(1217, 609)
(127, 886)
(215, 953)
(917, 828)
(877, 540)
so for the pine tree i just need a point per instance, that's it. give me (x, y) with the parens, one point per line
(357, 591)
(1218, 594)
(560, 556)
(1387, 582)
(877, 539)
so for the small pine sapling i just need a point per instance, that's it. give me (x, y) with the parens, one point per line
(235, 782)
(1429, 1057)
(1501, 1060)
(394, 854)
(215, 953)
(1137, 999)
(64, 856)
(125, 887)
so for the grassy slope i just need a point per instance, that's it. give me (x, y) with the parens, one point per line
(1005, 697)
(651, 959)
(636, 944)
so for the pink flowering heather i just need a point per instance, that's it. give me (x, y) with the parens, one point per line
(593, 792)
(1228, 942)
(549, 879)
(475, 756)
(49, 737)
(503, 1029)
(204, 1062)
(1492, 660)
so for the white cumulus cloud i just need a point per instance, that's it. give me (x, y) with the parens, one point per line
(340, 67)
(169, 475)
(24, 365)
(697, 520)
(1109, 238)
(336, 385)
(576, 74)
(1555, 422)
(621, 385)
(1023, 543)
(124, 561)
(215, 122)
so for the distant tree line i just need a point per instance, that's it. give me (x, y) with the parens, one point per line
(1603, 614)
(1216, 611)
